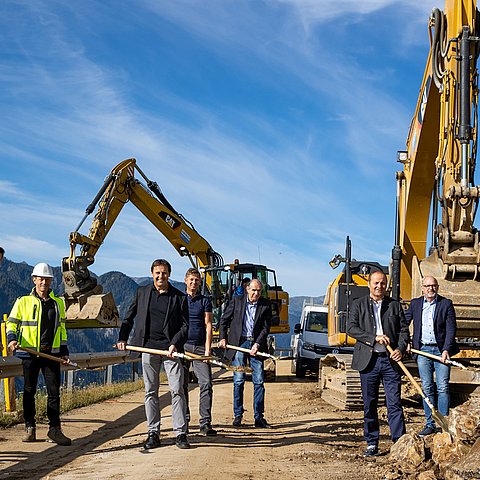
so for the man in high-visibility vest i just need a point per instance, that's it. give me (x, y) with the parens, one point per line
(37, 321)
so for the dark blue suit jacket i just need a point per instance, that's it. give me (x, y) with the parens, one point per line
(361, 326)
(231, 323)
(444, 324)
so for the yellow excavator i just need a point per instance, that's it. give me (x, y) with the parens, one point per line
(437, 183)
(87, 305)
(339, 384)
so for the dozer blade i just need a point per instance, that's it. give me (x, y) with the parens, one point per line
(92, 311)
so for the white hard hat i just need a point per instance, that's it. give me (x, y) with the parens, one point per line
(42, 270)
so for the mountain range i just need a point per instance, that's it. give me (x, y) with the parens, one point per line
(15, 281)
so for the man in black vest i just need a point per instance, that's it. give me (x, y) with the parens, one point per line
(160, 312)
(376, 321)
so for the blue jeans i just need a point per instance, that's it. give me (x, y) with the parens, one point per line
(256, 365)
(426, 367)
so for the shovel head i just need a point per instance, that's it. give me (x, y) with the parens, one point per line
(440, 419)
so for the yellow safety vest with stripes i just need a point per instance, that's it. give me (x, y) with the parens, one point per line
(24, 322)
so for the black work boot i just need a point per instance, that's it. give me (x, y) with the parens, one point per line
(56, 435)
(30, 434)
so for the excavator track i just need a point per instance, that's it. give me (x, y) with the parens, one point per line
(340, 385)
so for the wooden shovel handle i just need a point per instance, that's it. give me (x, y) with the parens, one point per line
(408, 374)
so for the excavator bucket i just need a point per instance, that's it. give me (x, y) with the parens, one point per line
(92, 311)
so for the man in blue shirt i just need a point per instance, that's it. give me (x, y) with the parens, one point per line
(434, 329)
(199, 342)
(246, 323)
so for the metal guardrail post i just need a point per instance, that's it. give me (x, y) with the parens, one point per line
(69, 379)
(8, 383)
(108, 374)
(135, 372)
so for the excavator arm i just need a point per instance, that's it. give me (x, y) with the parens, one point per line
(437, 181)
(84, 299)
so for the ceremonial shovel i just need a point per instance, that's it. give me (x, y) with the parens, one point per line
(439, 418)
(67, 363)
(439, 359)
(192, 357)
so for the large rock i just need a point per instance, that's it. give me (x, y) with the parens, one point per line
(469, 465)
(409, 452)
(464, 421)
(449, 456)
(427, 475)
(446, 450)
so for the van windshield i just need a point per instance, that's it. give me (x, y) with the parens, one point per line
(317, 322)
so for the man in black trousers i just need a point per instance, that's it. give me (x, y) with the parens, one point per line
(375, 322)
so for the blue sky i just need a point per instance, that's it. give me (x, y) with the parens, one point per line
(271, 125)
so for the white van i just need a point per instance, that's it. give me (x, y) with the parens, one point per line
(310, 339)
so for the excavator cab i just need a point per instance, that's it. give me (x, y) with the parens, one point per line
(228, 281)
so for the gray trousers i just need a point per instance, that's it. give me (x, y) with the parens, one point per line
(203, 372)
(151, 376)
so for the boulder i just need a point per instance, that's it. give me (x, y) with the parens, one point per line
(427, 475)
(409, 452)
(464, 420)
(469, 465)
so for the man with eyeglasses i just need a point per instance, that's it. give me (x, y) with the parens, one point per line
(434, 330)
(246, 323)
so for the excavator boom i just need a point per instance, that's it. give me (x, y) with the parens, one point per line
(437, 181)
(86, 303)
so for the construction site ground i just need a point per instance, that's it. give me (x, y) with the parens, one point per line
(309, 439)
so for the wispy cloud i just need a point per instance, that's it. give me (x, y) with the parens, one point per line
(284, 155)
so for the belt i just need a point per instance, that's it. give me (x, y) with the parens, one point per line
(380, 354)
(250, 339)
(429, 344)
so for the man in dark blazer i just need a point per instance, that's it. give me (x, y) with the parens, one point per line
(376, 321)
(160, 313)
(434, 330)
(246, 323)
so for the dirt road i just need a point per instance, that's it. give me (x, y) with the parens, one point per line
(310, 439)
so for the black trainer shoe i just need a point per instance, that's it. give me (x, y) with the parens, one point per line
(152, 441)
(262, 423)
(237, 422)
(30, 435)
(181, 441)
(371, 451)
(56, 435)
(207, 430)
(427, 431)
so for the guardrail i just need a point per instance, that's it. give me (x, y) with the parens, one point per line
(12, 366)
